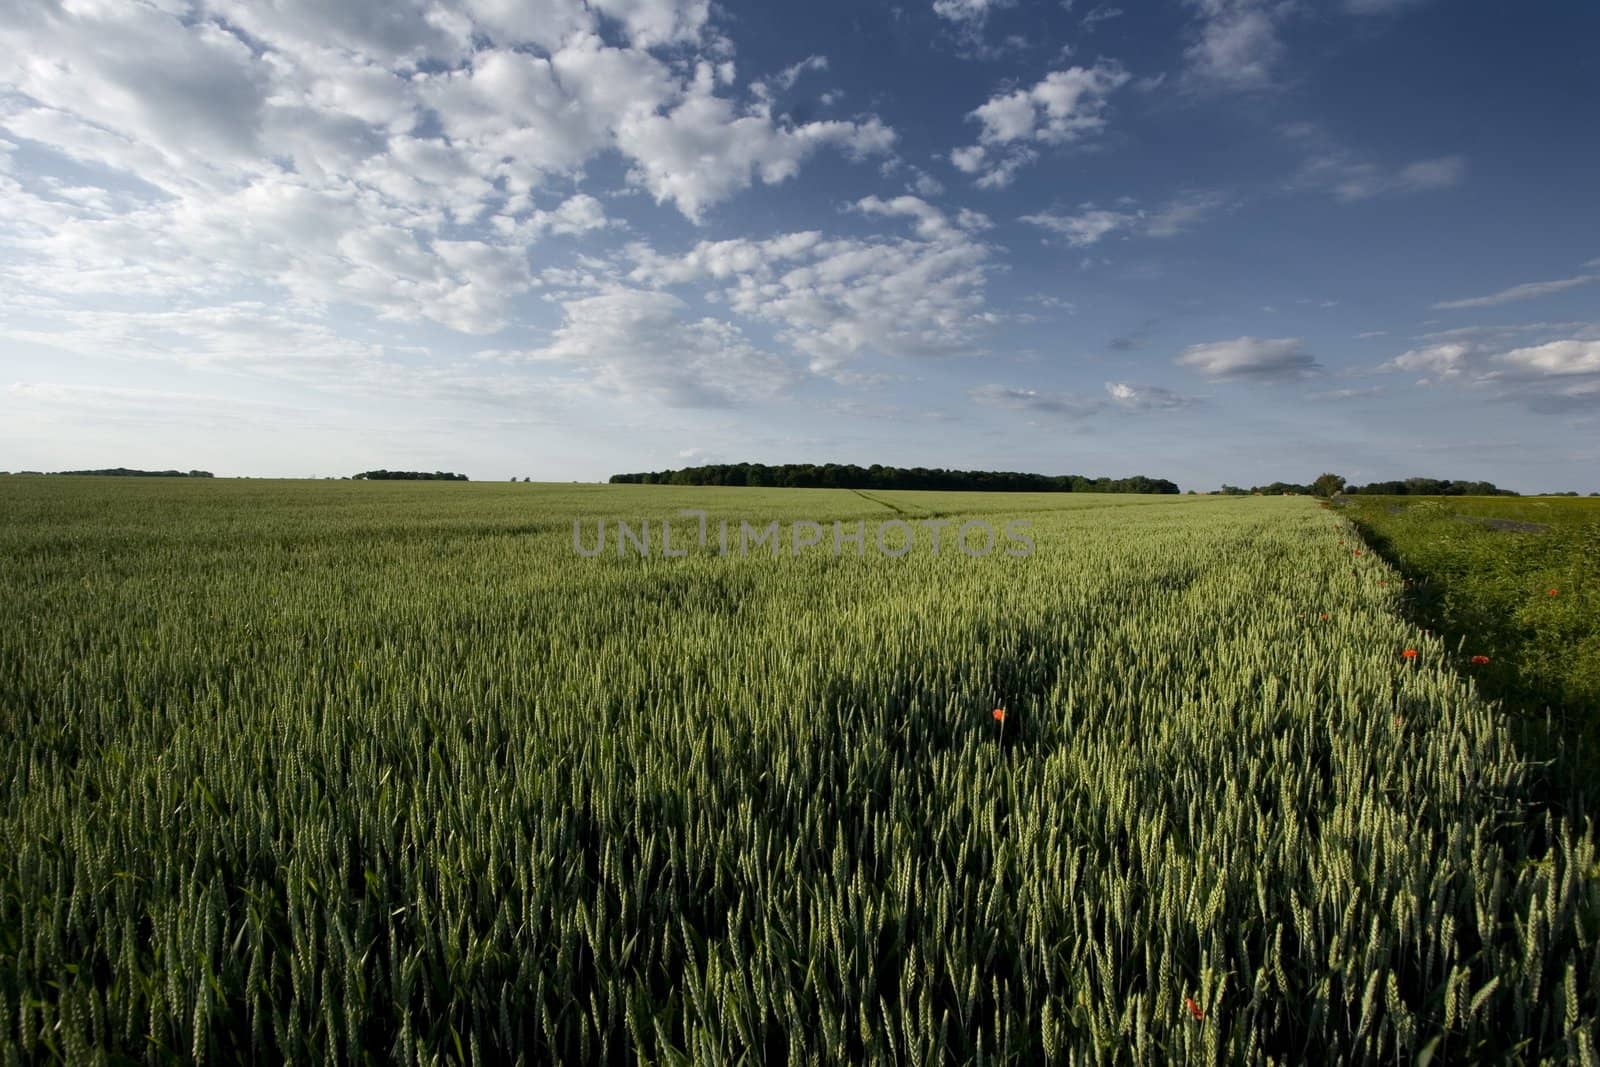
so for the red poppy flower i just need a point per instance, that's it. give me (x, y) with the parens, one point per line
(1358, 552)
(1555, 592)
(1194, 1009)
(999, 714)
(1324, 614)
(1480, 659)
(1410, 653)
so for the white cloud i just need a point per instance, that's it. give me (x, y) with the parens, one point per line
(251, 168)
(1527, 291)
(834, 298)
(1554, 375)
(1146, 397)
(1251, 359)
(1181, 213)
(723, 261)
(1085, 228)
(786, 78)
(1440, 173)
(1091, 224)
(931, 222)
(968, 160)
(1063, 107)
(578, 214)
(701, 152)
(1236, 44)
(641, 343)
(1557, 358)
(1097, 15)
(392, 32)
(968, 12)
(650, 23)
(1501, 336)
(1441, 361)
(132, 82)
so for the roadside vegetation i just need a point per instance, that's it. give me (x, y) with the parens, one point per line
(1515, 582)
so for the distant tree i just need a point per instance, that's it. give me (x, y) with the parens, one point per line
(126, 472)
(410, 476)
(852, 476)
(1328, 485)
(1430, 487)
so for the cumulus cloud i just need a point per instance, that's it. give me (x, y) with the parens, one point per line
(642, 343)
(648, 22)
(1235, 44)
(968, 12)
(701, 152)
(1063, 107)
(1561, 358)
(931, 222)
(1526, 291)
(1251, 359)
(401, 157)
(1559, 374)
(832, 299)
(1446, 360)
(1085, 228)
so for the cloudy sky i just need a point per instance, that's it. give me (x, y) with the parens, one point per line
(1209, 240)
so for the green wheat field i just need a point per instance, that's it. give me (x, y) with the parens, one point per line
(388, 772)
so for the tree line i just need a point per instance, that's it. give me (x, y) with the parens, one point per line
(878, 476)
(129, 472)
(409, 476)
(1333, 485)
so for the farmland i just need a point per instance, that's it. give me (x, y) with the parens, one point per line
(1516, 580)
(389, 771)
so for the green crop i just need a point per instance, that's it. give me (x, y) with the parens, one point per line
(387, 772)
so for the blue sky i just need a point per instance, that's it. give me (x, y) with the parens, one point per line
(1210, 240)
